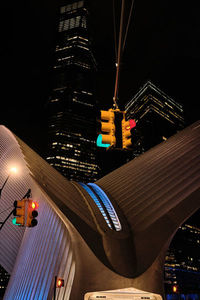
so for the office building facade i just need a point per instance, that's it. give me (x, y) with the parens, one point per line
(71, 106)
(157, 116)
(182, 265)
(4, 278)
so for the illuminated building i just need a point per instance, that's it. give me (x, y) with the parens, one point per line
(71, 106)
(157, 116)
(4, 278)
(182, 265)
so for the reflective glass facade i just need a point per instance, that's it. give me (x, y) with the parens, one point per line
(71, 107)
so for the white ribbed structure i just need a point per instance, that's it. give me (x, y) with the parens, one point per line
(15, 188)
(36, 255)
(37, 263)
(151, 197)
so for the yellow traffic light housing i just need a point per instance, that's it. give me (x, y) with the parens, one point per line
(115, 130)
(107, 137)
(19, 212)
(126, 132)
(32, 213)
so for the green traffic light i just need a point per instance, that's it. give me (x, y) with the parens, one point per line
(14, 221)
(99, 142)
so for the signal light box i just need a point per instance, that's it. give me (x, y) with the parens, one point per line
(115, 130)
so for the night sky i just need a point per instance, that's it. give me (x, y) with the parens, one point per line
(162, 46)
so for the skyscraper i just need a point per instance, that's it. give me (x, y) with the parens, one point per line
(182, 265)
(157, 115)
(71, 106)
(4, 278)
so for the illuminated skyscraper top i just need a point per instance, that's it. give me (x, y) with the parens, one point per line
(71, 108)
(157, 115)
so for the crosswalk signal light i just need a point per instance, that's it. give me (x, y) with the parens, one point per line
(32, 213)
(19, 212)
(107, 137)
(126, 132)
(59, 282)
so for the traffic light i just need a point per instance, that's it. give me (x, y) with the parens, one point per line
(116, 130)
(32, 213)
(19, 212)
(59, 282)
(174, 288)
(107, 137)
(126, 132)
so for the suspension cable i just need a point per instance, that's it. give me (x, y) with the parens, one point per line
(114, 28)
(118, 57)
(120, 47)
(127, 26)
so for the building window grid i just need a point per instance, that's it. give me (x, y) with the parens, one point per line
(71, 7)
(71, 17)
(70, 23)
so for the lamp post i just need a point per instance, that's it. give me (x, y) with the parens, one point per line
(13, 170)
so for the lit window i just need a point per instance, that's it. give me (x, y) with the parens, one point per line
(71, 23)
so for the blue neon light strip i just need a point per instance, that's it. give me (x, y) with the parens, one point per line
(109, 207)
(96, 200)
(97, 193)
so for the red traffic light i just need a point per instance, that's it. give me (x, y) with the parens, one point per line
(59, 282)
(130, 124)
